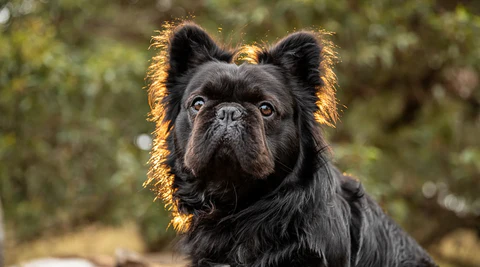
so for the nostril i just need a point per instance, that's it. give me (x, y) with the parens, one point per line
(221, 114)
(235, 114)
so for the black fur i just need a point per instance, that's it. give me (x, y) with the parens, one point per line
(260, 190)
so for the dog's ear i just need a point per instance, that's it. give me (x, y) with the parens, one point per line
(307, 59)
(190, 46)
(299, 54)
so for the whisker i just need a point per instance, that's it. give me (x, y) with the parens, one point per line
(285, 166)
(236, 197)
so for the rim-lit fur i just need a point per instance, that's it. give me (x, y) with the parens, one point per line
(256, 190)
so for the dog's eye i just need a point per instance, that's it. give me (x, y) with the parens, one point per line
(198, 103)
(266, 109)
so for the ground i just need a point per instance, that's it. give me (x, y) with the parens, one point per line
(123, 247)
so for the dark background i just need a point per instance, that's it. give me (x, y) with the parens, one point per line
(74, 138)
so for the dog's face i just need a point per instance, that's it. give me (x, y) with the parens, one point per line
(237, 121)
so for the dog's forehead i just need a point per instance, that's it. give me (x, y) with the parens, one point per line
(226, 79)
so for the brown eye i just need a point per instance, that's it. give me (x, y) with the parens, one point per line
(266, 109)
(198, 103)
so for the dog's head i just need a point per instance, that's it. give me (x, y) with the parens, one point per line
(240, 120)
(235, 122)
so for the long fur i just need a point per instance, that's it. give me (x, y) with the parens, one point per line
(311, 214)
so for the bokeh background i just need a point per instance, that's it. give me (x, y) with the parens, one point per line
(74, 139)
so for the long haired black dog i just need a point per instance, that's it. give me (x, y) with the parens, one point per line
(248, 176)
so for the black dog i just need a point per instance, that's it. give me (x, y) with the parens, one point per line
(249, 172)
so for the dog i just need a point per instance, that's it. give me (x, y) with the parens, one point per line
(239, 157)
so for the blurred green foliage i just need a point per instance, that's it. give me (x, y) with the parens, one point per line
(72, 105)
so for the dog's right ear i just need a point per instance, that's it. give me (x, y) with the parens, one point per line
(190, 46)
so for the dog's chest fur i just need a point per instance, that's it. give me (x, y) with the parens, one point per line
(353, 231)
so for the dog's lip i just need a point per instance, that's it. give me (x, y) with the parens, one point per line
(225, 142)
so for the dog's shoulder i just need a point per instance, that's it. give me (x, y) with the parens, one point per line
(372, 232)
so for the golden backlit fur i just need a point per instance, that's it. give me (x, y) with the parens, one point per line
(159, 176)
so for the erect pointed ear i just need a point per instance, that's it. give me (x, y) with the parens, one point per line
(190, 46)
(299, 54)
(309, 60)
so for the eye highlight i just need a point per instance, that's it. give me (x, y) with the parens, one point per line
(266, 109)
(198, 103)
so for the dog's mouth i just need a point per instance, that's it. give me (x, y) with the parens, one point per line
(230, 151)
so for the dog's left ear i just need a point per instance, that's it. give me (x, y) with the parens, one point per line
(300, 54)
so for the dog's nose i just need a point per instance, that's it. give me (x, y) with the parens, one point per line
(228, 114)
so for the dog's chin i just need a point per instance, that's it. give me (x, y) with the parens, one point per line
(226, 159)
